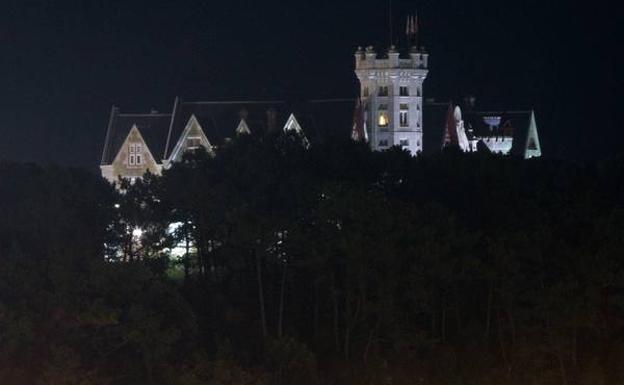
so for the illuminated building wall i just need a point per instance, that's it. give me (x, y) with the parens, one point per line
(391, 90)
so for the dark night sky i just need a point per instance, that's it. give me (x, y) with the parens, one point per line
(64, 64)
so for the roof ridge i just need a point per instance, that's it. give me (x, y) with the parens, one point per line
(132, 115)
(237, 102)
(107, 139)
(332, 100)
(499, 112)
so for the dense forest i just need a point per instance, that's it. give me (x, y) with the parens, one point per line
(327, 265)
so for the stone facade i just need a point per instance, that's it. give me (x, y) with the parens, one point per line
(133, 160)
(502, 132)
(138, 143)
(390, 111)
(391, 91)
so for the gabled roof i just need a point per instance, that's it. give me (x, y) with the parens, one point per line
(292, 124)
(219, 120)
(478, 125)
(243, 128)
(194, 127)
(153, 128)
(500, 124)
(325, 119)
(134, 132)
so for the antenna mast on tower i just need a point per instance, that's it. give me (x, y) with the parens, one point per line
(412, 29)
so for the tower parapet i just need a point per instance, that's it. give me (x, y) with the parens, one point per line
(391, 93)
(418, 59)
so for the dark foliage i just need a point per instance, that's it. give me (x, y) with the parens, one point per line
(327, 265)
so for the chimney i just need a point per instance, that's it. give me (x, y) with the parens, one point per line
(371, 55)
(469, 102)
(416, 58)
(425, 58)
(359, 56)
(393, 56)
(271, 120)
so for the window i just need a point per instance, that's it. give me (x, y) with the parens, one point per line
(365, 92)
(404, 142)
(404, 91)
(135, 154)
(532, 144)
(404, 115)
(384, 120)
(383, 143)
(193, 143)
(419, 91)
(383, 91)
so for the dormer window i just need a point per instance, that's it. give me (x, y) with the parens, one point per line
(383, 91)
(135, 154)
(193, 143)
(403, 91)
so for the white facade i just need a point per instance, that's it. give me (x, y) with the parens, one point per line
(391, 90)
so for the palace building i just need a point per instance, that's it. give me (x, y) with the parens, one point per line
(136, 143)
(391, 110)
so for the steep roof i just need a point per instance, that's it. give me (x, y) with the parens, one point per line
(321, 120)
(153, 128)
(325, 119)
(498, 124)
(434, 125)
(219, 120)
(478, 125)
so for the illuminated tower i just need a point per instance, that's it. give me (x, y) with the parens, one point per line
(391, 90)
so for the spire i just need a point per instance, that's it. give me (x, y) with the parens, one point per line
(358, 134)
(450, 134)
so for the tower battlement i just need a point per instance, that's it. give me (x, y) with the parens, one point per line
(369, 59)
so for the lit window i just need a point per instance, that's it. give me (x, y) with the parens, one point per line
(404, 142)
(383, 119)
(383, 143)
(383, 91)
(404, 115)
(404, 91)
